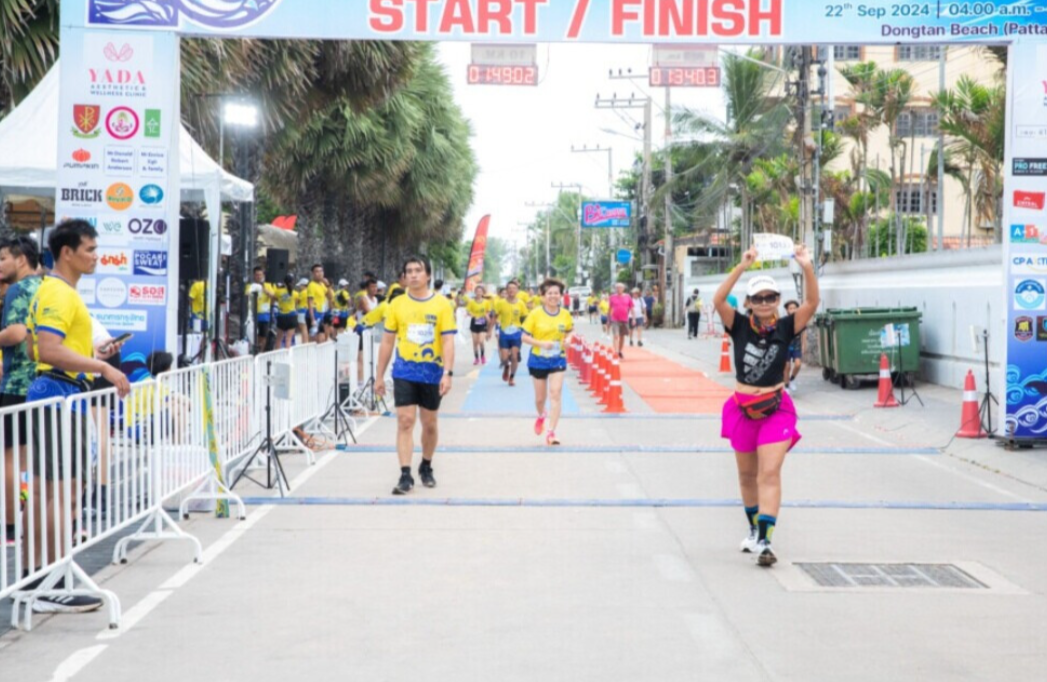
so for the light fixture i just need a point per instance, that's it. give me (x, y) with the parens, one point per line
(241, 114)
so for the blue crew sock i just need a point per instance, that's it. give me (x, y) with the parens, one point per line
(766, 523)
(750, 515)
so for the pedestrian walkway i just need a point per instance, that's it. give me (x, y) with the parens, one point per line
(613, 558)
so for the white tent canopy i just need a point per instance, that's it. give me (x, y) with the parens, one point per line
(29, 154)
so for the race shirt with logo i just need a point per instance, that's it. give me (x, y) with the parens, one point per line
(198, 298)
(511, 317)
(541, 326)
(317, 294)
(266, 297)
(420, 327)
(479, 310)
(286, 300)
(58, 309)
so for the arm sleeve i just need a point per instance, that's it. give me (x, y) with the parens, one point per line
(9, 305)
(390, 322)
(741, 320)
(447, 322)
(528, 325)
(788, 324)
(570, 324)
(54, 315)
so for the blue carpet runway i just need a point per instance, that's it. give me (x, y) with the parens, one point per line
(490, 395)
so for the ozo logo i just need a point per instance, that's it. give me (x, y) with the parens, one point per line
(147, 226)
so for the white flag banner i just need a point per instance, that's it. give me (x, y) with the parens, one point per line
(773, 247)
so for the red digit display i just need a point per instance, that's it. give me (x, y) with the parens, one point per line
(480, 74)
(685, 76)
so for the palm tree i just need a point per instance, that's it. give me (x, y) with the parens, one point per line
(891, 93)
(28, 46)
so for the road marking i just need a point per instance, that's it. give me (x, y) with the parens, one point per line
(76, 662)
(673, 568)
(136, 613)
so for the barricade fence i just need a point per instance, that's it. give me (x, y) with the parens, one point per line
(94, 467)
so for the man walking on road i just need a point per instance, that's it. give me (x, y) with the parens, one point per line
(621, 305)
(694, 315)
(417, 324)
(510, 313)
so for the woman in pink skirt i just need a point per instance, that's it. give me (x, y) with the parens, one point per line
(760, 418)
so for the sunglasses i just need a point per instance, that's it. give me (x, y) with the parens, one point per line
(760, 300)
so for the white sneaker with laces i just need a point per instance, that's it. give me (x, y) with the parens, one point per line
(749, 543)
(765, 556)
(66, 604)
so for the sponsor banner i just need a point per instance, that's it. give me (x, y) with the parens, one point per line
(606, 214)
(474, 270)
(604, 21)
(118, 113)
(1025, 243)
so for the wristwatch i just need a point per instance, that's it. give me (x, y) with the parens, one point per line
(449, 373)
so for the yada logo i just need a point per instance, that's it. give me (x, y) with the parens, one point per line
(125, 53)
(86, 118)
(108, 82)
(119, 196)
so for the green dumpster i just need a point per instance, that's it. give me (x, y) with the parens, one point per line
(825, 355)
(857, 338)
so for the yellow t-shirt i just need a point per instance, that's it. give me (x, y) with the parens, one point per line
(342, 301)
(510, 316)
(57, 308)
(266, 297)
(542, 326)
(478, 309)
(376, 316)
(420, 328)
(286, 300)
(198, 298)
(317, 293)
(591, 301)
(605, 307)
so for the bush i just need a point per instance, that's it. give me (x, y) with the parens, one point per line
(658, 315)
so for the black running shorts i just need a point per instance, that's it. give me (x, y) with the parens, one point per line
(410, 393)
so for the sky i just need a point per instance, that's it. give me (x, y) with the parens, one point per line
(522, 136)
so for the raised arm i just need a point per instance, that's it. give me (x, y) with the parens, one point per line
(720, 297)
(811, 297)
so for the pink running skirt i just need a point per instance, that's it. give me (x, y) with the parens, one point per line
(746, 435)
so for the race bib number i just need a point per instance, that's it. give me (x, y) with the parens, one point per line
(480, 321)
(553, 352)
(421, 334)
(511, 331)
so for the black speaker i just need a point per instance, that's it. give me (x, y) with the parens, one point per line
(277, 263)
(193, 247)
(332, 270)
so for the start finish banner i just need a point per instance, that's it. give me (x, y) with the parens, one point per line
(635, 21)
(118, 169)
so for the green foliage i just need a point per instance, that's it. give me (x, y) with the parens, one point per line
(883, 235)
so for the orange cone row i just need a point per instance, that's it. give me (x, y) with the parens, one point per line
(725, 355)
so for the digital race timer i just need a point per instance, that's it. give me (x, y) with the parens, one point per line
(685, 76)
(480, 74)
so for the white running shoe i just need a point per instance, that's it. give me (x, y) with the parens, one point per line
(749, 543)
(765, 556)
(792, 386)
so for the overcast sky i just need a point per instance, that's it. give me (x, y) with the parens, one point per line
(523, 135)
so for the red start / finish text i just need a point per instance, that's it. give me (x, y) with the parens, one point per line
(521, 18)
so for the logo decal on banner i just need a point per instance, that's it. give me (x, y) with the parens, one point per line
(119, 161)
(151, 195)
(112, 293)
(1041, 329)
(214, 13)
(110, 227)
(1028, 167)
(1025, 234)
(82, 197)
(152, 123)
(147, 229)
(1030, 294)
(86, 288)
(152, 162)
(1033, 201)
(1023, 329)
(123, 320)
(119, 196)
(114, 262)
(156, 294)
(122, 123)
(1029, 264)
(152, 263)
(123, 55)
(86, 118)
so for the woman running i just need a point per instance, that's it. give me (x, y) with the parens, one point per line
(760, 418)
(548, 329)
(480, 324)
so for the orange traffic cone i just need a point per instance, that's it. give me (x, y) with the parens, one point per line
(725, 355)
(596, 387)
(886, 397)
(615, 404)
(586, 363)
(970, 419)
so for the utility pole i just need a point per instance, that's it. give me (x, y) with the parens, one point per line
(669, 274)
(803, 102)
(584, 149)
(646, 190)
(940, 189)
(548, 234)
(561, 186)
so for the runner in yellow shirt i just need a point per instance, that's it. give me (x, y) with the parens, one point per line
(605, 311)
(510, 313)
(316, 299)
(547, 330)
(266, 297)
(479, 323)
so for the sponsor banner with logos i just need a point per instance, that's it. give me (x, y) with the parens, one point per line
(118, 102)
(1025, 243)
(604, 21)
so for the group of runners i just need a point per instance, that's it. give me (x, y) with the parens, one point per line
(759, 419)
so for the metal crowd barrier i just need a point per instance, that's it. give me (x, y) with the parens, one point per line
(181, 434)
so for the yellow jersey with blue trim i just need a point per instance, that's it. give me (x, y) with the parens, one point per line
(266, 297)
(376, 316)
(317, 293)
(57, 308)
(478, 309)
(198, 298)
(286, 300)
(420, 327)
(511, 316)
(541, 326)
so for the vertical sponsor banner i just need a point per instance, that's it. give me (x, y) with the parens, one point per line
(1025, 242)
(118, 168)
(474, 272)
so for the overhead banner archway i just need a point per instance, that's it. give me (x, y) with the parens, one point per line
(135, 89)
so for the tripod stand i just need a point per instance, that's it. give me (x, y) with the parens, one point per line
(366, 395)
(988, 400)
(334, 408)
(267, 448)
(903, 400)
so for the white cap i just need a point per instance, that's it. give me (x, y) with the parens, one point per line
(303, 282)
(343, 282)
(762, 283)
(381, 285)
